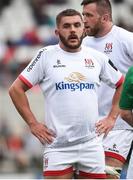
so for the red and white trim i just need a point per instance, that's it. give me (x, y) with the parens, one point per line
(115, 156)
(58, 172)
(23, 79)
(92, 175)
(120, 81)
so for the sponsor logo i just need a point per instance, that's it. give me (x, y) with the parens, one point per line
(114, 149)
(89, 63)
(74, 83)
(108, 48)
(30, 67)
(75, 77)
(58, 64)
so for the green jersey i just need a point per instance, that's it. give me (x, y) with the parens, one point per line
(126, 100)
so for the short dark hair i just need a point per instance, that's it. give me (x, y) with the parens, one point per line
(104, 6)
(67, 12)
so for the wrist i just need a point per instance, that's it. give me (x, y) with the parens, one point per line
(113, 117)
(32, 123)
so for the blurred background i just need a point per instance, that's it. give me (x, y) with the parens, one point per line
(25, 27)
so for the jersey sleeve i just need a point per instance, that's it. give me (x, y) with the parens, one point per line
(126, 39)
(34, 73)
(110, 74)
(126, 100)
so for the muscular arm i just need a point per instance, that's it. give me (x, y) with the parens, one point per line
(115, 110)
(106, 124)
(19, 98)
(17, 93)
(127, 115)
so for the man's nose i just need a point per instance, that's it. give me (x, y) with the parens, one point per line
(84, 19)
(72, 28)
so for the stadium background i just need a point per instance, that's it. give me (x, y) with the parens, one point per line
(26, 26)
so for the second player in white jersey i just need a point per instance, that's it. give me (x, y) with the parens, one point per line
(118, 46)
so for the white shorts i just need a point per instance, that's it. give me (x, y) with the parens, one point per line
(86, 159)
(117, 144)
(130, 168)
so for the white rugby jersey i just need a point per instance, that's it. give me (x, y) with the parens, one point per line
(69, 82)
(118, 46)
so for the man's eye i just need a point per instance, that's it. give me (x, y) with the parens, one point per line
(66, 26)
(77, 25)
(87, 15)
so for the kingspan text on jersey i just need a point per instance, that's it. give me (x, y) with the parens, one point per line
(73, 86)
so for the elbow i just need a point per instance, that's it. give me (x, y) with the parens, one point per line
(126, 115)
(14, 88)
(11, 90)
(17, 90)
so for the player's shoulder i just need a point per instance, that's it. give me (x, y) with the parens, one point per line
(49, 48)
(93, 51)
(45, 51)
(122, 33)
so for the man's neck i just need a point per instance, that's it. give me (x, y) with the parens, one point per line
(105, 30)
(67, 49)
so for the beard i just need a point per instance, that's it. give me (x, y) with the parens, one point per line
(66, 43)
(93, 31)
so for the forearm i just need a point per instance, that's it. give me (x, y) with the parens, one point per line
(115, 110)
(106, 124)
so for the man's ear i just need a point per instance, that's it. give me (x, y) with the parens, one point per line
(105, 18)
(56, 32)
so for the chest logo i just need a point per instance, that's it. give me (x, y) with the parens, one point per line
(108, 48)
(58, 64)
(75, 77)
(89, 63)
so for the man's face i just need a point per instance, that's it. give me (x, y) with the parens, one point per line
(92, 19)
(70, 32)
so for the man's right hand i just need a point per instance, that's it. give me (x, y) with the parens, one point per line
(41, 131)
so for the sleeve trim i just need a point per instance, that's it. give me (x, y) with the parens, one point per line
(120, 81)
(22, 78)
